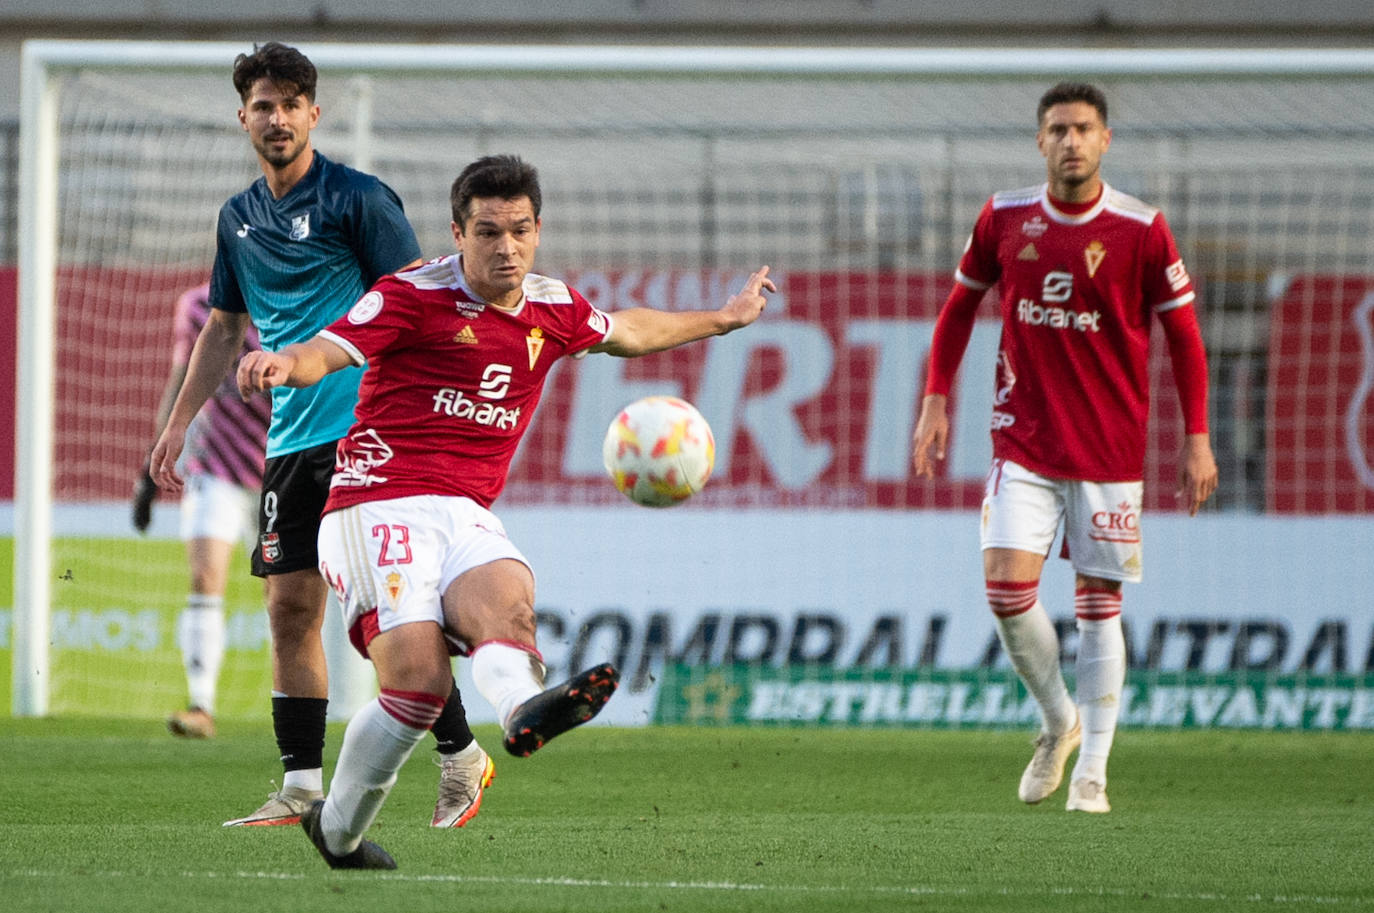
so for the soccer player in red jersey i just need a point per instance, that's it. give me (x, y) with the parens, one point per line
(1082, 269)
(294, 251)
(457, 351)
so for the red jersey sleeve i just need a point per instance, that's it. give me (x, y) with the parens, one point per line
(979, 267)
(1166, 280)
(589, 327)
(1189, 360)
(376, 321)
(953, 328)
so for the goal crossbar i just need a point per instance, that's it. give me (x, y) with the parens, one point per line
(44, 62)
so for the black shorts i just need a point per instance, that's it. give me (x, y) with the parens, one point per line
(294, 489)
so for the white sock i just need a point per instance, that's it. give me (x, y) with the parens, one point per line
(1033, 648)
(375, 745)
(506, 676)
(200, 635)
(310, 779)
(1101, 676)
(473, 750)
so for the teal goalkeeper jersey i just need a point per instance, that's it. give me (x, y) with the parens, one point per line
(296, 265)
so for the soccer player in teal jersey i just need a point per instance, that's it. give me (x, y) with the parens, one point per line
(293, 252)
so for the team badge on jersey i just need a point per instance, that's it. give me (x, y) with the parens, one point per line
(395, 583)
(300, 227)
(1094, 254)
(535, 344)
(367, 307)
(270, 543)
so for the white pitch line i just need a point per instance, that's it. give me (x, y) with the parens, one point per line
(1275, 900)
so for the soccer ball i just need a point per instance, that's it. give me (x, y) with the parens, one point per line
(659, 451)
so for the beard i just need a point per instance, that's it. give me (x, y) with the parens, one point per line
(278, 158)
(1077, 178)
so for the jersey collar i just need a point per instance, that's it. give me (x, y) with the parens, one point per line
(1065, 218)
(462, 280)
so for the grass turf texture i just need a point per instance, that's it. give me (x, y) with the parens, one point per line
(116, 816)
(119, 599)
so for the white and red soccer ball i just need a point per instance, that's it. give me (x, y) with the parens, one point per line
(659, 451)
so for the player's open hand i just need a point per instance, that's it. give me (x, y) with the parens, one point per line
(931, 436)
(745, 306)
(162, 462)
(1197, 472)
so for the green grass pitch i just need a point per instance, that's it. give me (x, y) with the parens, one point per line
(102, 815)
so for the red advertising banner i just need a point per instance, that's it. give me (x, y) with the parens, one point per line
(813, 407)
(1320, 418)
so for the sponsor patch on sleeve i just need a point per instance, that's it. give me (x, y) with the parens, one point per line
(1176, 274)
(599, 321)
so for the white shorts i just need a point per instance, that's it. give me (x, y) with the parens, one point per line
(215, 508)
(390, 561)
(1023, 510)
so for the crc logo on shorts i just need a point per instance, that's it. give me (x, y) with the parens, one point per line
(270, 545)
(1120, 524)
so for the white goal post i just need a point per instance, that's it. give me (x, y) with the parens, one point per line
(865, 161)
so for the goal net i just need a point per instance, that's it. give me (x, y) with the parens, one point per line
(668, 174)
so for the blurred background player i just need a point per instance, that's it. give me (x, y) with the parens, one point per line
(1083, 271)
(222, 465)
(422, 567)
(293, 252)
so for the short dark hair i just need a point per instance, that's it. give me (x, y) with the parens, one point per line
(287, 67)
(507, 177)
(1072, 91)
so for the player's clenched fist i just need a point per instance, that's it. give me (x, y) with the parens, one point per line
(260, 371)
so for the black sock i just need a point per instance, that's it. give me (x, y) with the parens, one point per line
(451, 731)
(299, 725)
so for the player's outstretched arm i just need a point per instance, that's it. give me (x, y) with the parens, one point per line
(931, 436)
(1197, 471)
(641, 331)
(298, 365)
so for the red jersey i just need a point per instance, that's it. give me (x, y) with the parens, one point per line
(1077, 294)
(451, 381)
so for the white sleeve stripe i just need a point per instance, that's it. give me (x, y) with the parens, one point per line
(1180, 301)
(970, 282)
(610, 326)
(357, 357)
